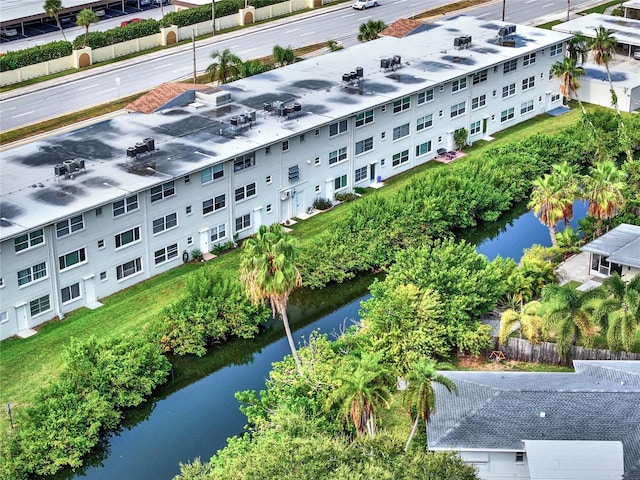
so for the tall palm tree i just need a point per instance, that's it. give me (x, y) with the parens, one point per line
(619, 311)
(603, 48)
(52, 9)
(371, 30)
(419, 395)
(268, 271)
(225, 66)
(604, 189)
(85, 18)
(578, 47)
(566, 310)
(566, 177)
(568, 72)
(546, 204)
(360, 389)
(283, 56)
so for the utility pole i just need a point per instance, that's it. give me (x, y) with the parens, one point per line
(213, 16)
(504, 7)
(193, 43)
(568, 8)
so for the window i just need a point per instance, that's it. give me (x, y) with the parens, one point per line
(519, 457)
(218, 233)
(294, 174)
(441, 114)
(243, 162)
(189, 241)
(480, 77)
(98, 211)
(39, 305)
(32, 274)
(364, 118)
(509, 90)
(317, 161)
(555, 97)
(214, 204)
(423, 148)
(364, 145)
(188, 210)
(127, 237)
(401, 131)
(165, 223)
(269, 208)
(127, 269)
(70, 293)
(383, 135)
(165, 254)
(510, 66)
(457, 85)
(187, 179)
(361, 174)
(301, 137)
(285, 145)
(340, 182)
(402, 104)
(526, 107)
(506, 115)
(425, 96)
(125, 205)
(29, 240)
(70, 225)
(162, 191)
(528, 83)
(478, 102)
(317, 132)
(268, 180)
(400, 158)
(243, 222)
(457, 109)
(555, 49)
(267, 150)
(424, 122)
(382, 162)
(338, 156)
(4, 318)
(474, 128)
(337, 128)
(317, 189)
(1, 282)
(529, 59)
(103, 276)
(246, 192)
(72, 258)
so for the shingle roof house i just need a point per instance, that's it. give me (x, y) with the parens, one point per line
(523, 425)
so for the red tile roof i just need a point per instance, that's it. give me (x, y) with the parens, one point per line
(401, 28)
(154, 99)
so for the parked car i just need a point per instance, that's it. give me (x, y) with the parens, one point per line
(130, 21)
(636, 54)
(157, 2)
(143, 3)
(362, 4)
(8, 32)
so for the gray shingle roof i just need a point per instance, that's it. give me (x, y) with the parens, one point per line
(498, 410)
(621, 245)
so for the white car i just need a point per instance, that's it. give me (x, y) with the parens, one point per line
(8, 32)
(362, 4)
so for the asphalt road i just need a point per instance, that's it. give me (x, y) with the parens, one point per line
(81, 90)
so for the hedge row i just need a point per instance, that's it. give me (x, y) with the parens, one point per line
(33, 55)
(115, 35)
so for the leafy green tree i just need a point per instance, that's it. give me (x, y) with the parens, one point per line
(460, 137)
(568, 72)
(52, 8)
(532, 323)
(359, 390)
(371, 30)
(85, 18)
(419, 395)
(566, 310)
(283, 56)
(619, 311)
(251, 68)
(268, 271)
(604, 189)
(225, 66)
(546, 203)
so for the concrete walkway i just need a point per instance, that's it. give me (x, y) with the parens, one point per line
(575, 268)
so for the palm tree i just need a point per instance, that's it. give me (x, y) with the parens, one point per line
(578, 47)
(567, 312)
(360, 388)
(619, 311)
(604, 189)
(226, 65)
(531, 322)
(52, 9)
(546, 204)
(419, 395)
(283, 56)
(251, 68)
(371, 30)
(603, 48)
(268, 271)
(85, 18)
(566, 177)
(568, 72)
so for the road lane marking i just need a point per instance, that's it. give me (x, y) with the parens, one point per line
(23, 114)
(308, 33)
(291, 31)
(529, 1)
(88, 87)
(548, 5)
(162, 66)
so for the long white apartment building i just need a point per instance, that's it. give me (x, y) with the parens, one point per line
(91, 211)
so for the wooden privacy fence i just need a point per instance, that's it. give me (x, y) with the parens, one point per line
(524, 351)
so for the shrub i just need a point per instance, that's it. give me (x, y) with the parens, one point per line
(322, 204)
(345, 197)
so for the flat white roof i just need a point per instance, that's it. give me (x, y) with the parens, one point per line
(12, 11)
(189, 139)
(626, 30)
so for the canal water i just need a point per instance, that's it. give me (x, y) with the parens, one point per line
(195, 414)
